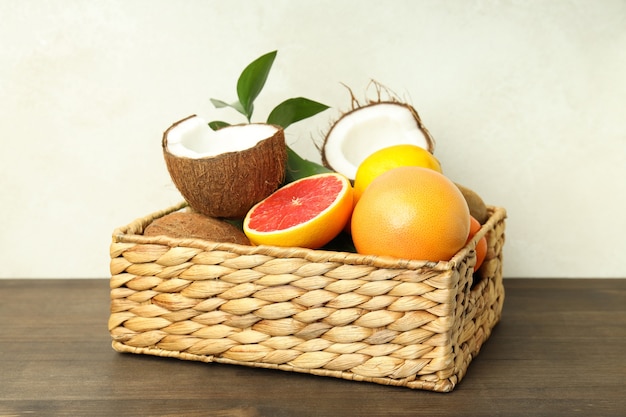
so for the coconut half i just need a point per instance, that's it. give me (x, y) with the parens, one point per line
(368, 128)
(224, 173)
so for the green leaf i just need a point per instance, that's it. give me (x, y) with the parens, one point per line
(238, 223)
(221, 104)
(298, 167)
(341, 243)
(218, 124)
(293, 110)
(252, 80)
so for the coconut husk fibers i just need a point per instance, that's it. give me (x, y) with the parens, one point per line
(229, 184)
(184, 224)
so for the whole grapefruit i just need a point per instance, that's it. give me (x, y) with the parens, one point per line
(412, 213)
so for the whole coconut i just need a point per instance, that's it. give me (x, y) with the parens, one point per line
(224, 173)
(184, 225)
(477, 207)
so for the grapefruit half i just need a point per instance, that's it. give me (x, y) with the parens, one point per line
(307, 213)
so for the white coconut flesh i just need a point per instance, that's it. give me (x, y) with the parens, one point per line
(193, 138)
(367, 129)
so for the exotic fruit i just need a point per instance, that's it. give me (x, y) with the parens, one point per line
(412, 213)
(224, 173)
(187, 224)
(369, 127)
(308, 213)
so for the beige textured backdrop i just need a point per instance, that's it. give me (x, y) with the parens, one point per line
(527, 101)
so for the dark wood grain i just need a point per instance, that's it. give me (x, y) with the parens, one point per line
(560, 350)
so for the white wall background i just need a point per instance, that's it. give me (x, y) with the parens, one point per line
(526, 99)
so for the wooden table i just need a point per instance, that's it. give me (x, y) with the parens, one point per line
(560, 350)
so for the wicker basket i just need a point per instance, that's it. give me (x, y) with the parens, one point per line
(397, 322)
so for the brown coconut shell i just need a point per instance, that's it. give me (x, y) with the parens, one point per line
(229, 184)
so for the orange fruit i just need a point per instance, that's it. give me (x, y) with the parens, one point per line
(388, 158)
(481, 245)
(411, 213)
(308, 213)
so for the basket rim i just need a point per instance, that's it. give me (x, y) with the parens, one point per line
(129, 234)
